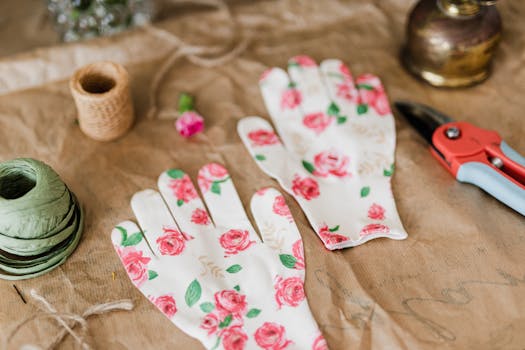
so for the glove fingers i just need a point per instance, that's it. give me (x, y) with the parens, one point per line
(157, 223)
(277, 227)
(283, 101)
(221, 197)
(133, 251)
(182, 199)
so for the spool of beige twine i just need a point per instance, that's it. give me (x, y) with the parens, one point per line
(102, 96)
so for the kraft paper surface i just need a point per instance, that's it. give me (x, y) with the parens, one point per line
(457, 282)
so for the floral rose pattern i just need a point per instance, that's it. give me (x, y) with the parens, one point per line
(290, 99)
(172, 242)
(331, 163)
(305, 187)
(298, 253)
(280, 208)
(235, 241)
(302, 61)
(234, 338)
(289, 291)
(210, 323)
(230, 302)
(271, 336)
(329, 237)
(376, 212)
(317, 122)
(320, 343)
(211, 174)
(183, 189)
(263, 137)
(135, 264)
(166, 304)
(374, 229)
(372, 93)
(199, 216)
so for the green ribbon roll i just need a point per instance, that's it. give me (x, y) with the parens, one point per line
(40, 219)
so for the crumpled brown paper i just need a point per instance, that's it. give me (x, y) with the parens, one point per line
(457, 282)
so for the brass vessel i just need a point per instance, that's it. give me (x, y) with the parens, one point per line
(450, 43)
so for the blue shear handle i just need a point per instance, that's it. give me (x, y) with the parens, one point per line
(512, 154)
(491, 181)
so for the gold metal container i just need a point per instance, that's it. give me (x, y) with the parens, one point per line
(450, 43)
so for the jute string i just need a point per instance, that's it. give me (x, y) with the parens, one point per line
(68, 321)
(203, 56)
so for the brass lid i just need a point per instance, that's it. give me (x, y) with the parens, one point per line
(463, 8)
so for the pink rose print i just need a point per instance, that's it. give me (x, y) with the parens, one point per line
(280, 208)
(330, 238)
(305, 187)
(265, 74)
(320, 343)
(200, 217)
(298, 253)
(135, 264)
(172, 242)
(263, 137)
(166, 304)
(234, 338)
(331, 163)
(230, 302)
(374, 95)
(303, 61)
(347, 91)
(289, 291)
(235, 241)
(376, 212)
(262, 191)
(374, 228)
(271, 336)
(345, 72)
(217, 171)
(189, 123)
(290, 99)
(318, 122)
(210, 173)
(210, 323)
(183, 189)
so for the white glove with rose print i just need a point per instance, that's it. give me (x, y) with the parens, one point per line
(212, 276)
(338, 152)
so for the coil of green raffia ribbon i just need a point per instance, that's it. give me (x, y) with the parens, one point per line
(40, 219)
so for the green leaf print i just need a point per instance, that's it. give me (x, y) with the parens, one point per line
(193, 293)
(362, 108)
(131, 240)
(333, 229)
(260, 157)
(333, 110)
(234, 268)
(308, 166)
(365, 87)
(237, 288)
(389, 172)
(365, 191)
(253, 313)
(152, 274)
(226, 322)
(341, 119)
(215, 187)
(180, 202)
(207, 307)
(288, 260)
(175, 173)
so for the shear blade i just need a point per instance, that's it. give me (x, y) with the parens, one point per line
(423, 118)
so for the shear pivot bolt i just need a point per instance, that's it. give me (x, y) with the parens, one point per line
(453, 132)
(497, 162)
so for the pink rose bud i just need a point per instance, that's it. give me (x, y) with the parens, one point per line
(189, 123)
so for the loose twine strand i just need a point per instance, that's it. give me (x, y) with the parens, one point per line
(196, 54)
(68, 321)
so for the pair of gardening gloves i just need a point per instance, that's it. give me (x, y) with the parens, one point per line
(207, 269)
